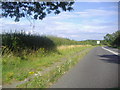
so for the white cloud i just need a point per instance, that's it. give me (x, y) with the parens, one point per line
(88, 13)
(96, 12)
(61, 16)
(59, 25)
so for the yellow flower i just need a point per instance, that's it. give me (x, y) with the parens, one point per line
(31, 72)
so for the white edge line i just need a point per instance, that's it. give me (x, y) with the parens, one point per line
(110, 51)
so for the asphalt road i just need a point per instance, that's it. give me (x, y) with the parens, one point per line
(98, 69)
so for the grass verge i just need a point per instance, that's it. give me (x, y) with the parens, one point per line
(18, 69)
(46, 80)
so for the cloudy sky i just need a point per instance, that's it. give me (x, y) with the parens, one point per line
(89, 20)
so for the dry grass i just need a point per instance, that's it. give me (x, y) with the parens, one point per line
(70, 46)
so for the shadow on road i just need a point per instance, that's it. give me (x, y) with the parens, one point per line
(110, 58)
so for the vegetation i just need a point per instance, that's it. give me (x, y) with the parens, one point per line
(113, 39)
(62, 41)
(18, 69)
(47, 79)
(20, 42)
(23, 55)
(90, 42)
(33, 10)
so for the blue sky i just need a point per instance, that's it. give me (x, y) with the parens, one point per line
(89, 20)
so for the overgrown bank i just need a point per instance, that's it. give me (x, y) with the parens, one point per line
(65, 59)
(24, 55)
(47, 79)
(21, 43)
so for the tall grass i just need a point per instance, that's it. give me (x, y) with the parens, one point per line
(17, 69)
(19, 42)
(24, 53)
(63, 41)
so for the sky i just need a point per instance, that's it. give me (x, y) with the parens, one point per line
(88, 20)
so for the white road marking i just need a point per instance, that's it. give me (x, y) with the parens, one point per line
(116, 53)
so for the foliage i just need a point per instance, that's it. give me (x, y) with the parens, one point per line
(63, 41)
(18, 42)
(90, 42)
(46, 80)
(34, 56)
(112, 39)
(35, 10)
(21, 43)
(17, 69)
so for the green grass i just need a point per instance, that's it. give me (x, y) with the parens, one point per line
(51, 77)
(17, 69)
(18, 42)
(26, 54)
(63, 41)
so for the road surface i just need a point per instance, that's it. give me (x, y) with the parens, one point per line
(98, 69)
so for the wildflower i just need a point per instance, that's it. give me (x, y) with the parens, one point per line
(31, 72)
(36, 74)
(39, 74)
(25, 80)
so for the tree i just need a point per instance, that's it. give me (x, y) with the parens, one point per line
(109, 39)
(113, 39)
(35, 10)
(116, 42)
